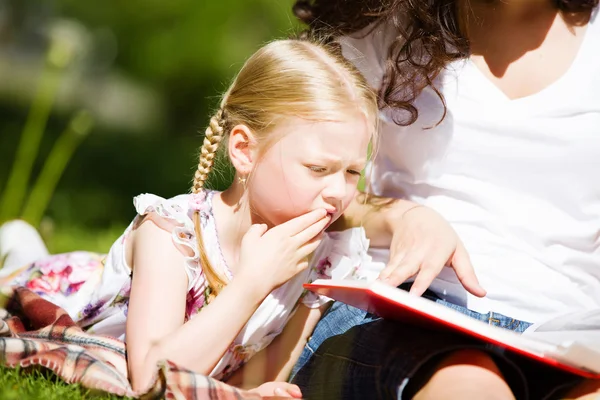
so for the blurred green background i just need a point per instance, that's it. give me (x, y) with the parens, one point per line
(127, 88)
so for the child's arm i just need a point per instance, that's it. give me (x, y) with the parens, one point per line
(155, 328)
(275, 363)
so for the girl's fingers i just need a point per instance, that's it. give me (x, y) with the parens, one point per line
(289, 390)
(256, 230)
(296, 225)
(312, 231)
(308, 248)
(279, 392)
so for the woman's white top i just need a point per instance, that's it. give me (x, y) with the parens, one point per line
(519, 180)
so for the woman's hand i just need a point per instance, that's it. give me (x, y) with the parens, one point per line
(268, 258)
(422, 244)
(278, 389)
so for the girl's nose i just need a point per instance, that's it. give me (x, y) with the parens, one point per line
(336, 188)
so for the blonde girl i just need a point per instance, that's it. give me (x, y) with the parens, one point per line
(209, 279)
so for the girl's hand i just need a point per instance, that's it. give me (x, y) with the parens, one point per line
(422, 244)
(278, 389)
(268, 258)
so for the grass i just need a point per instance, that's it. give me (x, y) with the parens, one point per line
(65, 238)
(37, 384)
(41, 384)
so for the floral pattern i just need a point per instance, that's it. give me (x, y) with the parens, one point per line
(240, 355)
(195, 300)
(63, 273)
(92, 310)
(323, 268)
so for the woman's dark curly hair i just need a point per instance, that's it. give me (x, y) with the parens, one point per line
(429, 38)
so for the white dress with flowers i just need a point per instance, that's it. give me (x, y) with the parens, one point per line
(94, 289)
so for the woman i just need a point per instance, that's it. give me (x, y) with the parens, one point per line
(491, 121)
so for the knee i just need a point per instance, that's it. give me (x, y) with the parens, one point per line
(466, 374)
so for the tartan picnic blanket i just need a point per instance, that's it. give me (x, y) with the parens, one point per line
(37, 333)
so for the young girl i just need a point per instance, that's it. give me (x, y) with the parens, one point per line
(209, 279)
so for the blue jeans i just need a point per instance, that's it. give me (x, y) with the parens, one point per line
(355, 355)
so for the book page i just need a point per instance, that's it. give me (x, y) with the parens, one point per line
(582, 327)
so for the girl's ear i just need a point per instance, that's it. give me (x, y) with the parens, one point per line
(242, 149)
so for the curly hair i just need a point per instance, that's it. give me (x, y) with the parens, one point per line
(426, 42)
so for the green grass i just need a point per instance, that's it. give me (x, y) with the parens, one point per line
(65, 238)
(16, 384)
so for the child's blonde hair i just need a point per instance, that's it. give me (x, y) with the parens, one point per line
(285, 78)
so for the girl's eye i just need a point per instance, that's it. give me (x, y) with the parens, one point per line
(314, 168)
(353, 172)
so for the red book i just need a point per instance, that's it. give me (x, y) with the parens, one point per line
(556, 343)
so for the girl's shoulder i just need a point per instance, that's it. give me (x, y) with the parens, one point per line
(180, 207)
(177, 211)
(176, 215)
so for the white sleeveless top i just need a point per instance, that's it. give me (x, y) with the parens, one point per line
(100, 305)
(519, 180)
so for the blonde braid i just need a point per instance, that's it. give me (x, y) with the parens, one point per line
(212, 138)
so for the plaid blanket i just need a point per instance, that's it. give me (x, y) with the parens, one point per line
(35, 332)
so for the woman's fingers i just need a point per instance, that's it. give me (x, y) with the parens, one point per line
(408, 267)
(465, 272)
(397, 254)
(421, 247)
(429, 270)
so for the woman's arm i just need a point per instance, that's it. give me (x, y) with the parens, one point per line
(275, 363)
(421, 242)
(155, 322)
(377, 215)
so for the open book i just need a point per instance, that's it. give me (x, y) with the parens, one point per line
(571, 343)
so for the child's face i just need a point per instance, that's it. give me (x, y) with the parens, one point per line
(313, 165)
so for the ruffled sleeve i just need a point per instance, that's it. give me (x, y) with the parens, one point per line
(175, 216)
(341, 255)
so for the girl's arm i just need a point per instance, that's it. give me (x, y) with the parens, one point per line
(155, 322)
(275, 363)
(155, 328)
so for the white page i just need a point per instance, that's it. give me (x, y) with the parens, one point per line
(582, 327)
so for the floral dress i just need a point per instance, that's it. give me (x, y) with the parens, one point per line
(94, 289)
